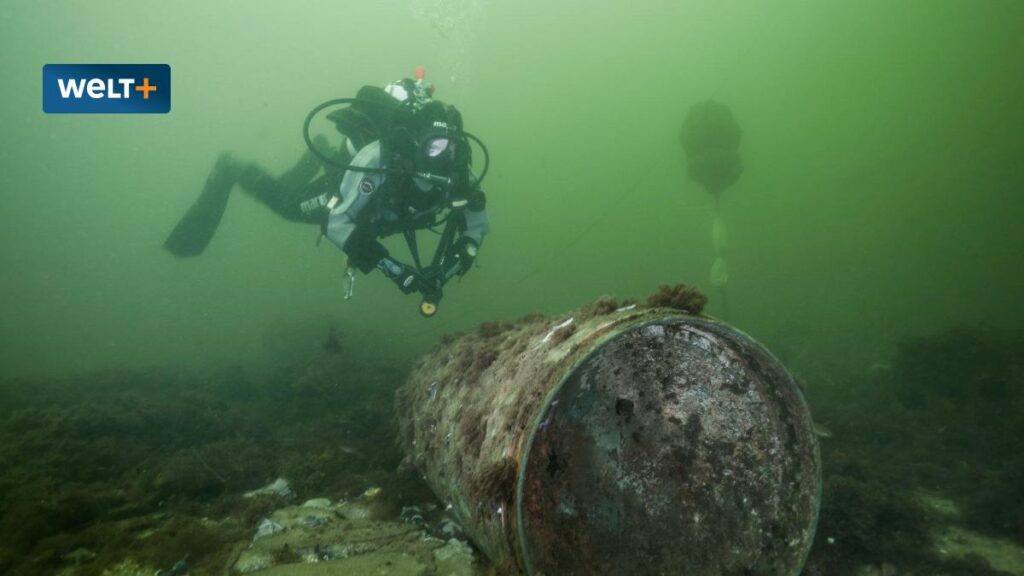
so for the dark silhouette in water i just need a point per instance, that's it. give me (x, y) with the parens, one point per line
(332, 344)
(711, 140)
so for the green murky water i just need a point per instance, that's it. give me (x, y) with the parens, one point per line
(879, 204)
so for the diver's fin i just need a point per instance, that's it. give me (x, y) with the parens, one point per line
(196, 228)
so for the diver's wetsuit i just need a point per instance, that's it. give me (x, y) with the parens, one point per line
(419, 177)
(284, 195)
(367, 206)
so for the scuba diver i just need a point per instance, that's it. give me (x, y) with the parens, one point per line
(404, 166)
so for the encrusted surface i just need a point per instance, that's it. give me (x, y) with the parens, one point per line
(471, 405)
(679, 447)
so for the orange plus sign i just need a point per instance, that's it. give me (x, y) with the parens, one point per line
(145, 88)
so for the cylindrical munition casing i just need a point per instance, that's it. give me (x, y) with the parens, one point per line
(610, 442)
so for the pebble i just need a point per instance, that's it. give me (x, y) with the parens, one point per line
(267, 528)
(317, 503)
(454, 559)
(279, 487)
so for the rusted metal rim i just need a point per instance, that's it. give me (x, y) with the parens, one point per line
(662, 472)
(524, 553)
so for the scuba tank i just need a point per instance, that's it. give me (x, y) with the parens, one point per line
(376, 114)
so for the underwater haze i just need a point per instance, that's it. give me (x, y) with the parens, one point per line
(881, 200)
(879, 197)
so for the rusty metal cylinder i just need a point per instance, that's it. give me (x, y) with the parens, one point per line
(616, 441)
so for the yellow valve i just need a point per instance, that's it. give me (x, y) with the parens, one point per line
(428, 309)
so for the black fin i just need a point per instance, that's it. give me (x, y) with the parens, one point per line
(196, 228)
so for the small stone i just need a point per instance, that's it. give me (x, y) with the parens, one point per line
(449, 528)
(317, 503)
(79, 556)
(267, 528)
(455, 558)
(354, 510)
(279, 487)
(252, 561)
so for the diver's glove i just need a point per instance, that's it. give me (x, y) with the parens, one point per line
(405, 277)
(460, 257)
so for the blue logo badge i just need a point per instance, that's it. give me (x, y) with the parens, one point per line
(106, 88)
